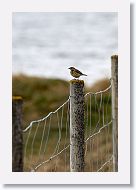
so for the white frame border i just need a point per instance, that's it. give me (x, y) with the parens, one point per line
(6, 9)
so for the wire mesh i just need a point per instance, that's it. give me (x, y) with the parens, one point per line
(98, 135)
(47, 144)
(46, 140)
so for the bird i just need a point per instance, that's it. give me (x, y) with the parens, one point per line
(75, 72)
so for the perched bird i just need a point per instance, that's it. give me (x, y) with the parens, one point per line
(75, 73)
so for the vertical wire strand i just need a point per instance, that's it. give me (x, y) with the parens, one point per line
(86, 146)
(47, 137)
(108, 133)
(32, 145)
(92, 154)
(59, 132)
(39, 155)
(56, 148)
(65, 157)
(95, 119)
(25, 148)
(69, 132)
(93, 140)
(107, 128)
(97, 139)
(60, 129)
(98, 136)
(102, 133)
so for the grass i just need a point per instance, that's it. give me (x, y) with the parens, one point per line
(41, 96)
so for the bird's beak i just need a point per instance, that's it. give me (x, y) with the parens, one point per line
(69, 68)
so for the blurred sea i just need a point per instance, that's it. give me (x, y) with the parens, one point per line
(46, 44)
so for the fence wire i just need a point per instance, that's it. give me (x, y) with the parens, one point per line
(47, 144)
(98, 136)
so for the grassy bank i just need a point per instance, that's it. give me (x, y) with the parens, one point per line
(40, 95)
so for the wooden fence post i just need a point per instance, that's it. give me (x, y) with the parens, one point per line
(77, 126)
(17, 134)
(114, 75)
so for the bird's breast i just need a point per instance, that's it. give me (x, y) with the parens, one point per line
(75, 74)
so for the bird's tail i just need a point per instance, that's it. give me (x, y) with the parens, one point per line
(84, 74)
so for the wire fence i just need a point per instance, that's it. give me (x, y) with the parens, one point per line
(47, 144)
(98, 114)
(46, 140)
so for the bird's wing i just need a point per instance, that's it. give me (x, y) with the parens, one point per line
(78, 71)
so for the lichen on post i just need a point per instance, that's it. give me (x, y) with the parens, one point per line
(77, 125)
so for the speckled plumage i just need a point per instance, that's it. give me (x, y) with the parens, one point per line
(75, 72)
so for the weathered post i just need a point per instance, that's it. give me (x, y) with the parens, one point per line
(17, 135)
(114, 79)
(77, 126)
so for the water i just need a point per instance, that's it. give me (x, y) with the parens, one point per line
(46, 44)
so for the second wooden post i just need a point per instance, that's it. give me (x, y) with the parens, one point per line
(17, 135)
(114, 73)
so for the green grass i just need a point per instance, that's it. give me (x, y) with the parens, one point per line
(40, 95)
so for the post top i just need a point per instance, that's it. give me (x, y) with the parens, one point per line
(114, 57)
(76, 81)
(17, 98)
